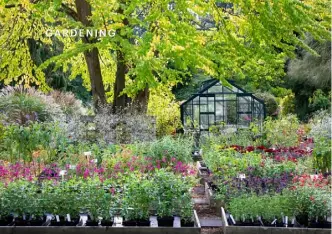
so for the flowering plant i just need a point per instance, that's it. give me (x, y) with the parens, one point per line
(311, 197)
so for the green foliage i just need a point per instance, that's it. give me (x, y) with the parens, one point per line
(282, 131)
(19, 197)
(287, 104)
(167, 147)
(153, 36)
(20, 142)
(251, 206)
(322, 154)
(310, 70)
(320, 101)
(229, 162)
(163, 107)
(308, 73)
(163, 192)
(271, 103)
(24, 105)
(22, 108)
(310, 202)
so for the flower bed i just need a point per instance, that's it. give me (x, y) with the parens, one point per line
(265, 181)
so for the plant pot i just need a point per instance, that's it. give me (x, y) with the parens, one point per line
(143, 223)
(73, 222)
(165, 221)
(186, 223)
(91, 223)
(303, 220)
(3, 223)
(21, 222)
(129, 223)
(327, 225)
(36, 222)
(58, 224)
(107, 223)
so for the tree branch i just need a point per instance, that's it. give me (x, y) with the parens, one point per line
(70, 12)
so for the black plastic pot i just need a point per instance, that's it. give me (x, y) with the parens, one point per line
(36, 222)
(3, 223)
(303, 220)
(107, 223)
(319, 224)
(186, 223)
(129, 223)
(91, 223)
(57, 224)
(20, 222)
(165, 221)
(73, 222)
(143, 223)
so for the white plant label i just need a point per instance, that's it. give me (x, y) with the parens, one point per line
(57, 218)
(68, 218)
(49, 217)
(63, 172)
(177, 222)
(293, 221)
(241, 176)
(83, 219)
(233, 220)
(153, 221)
(118, 221)
(88, 153)
(72, 167)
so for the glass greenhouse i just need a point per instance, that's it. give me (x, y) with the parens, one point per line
(219, 105)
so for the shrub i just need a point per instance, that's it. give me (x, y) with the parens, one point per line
(288, 105)
(282, 131)
(271, 103)
(21, 106)
(20, 142)
(69, 104)
(321, 132)
(165, 109)
(126, 126)
(319, 101)
(168, 147)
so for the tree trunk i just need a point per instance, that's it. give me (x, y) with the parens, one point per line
(97, 85)
(83, 9)
(142, 99)
(120, 101)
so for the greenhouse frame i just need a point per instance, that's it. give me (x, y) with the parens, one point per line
(228, 106)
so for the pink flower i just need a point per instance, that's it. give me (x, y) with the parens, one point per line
(86, 173)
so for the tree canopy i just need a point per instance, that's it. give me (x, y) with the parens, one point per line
(157, 42)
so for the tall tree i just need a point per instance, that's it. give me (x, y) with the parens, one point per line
(238, 39)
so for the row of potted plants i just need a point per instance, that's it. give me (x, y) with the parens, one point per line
(134, 196)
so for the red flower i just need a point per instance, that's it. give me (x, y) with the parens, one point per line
(312, 198)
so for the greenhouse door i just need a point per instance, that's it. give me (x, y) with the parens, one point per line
(244, 109)
(207, 113)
